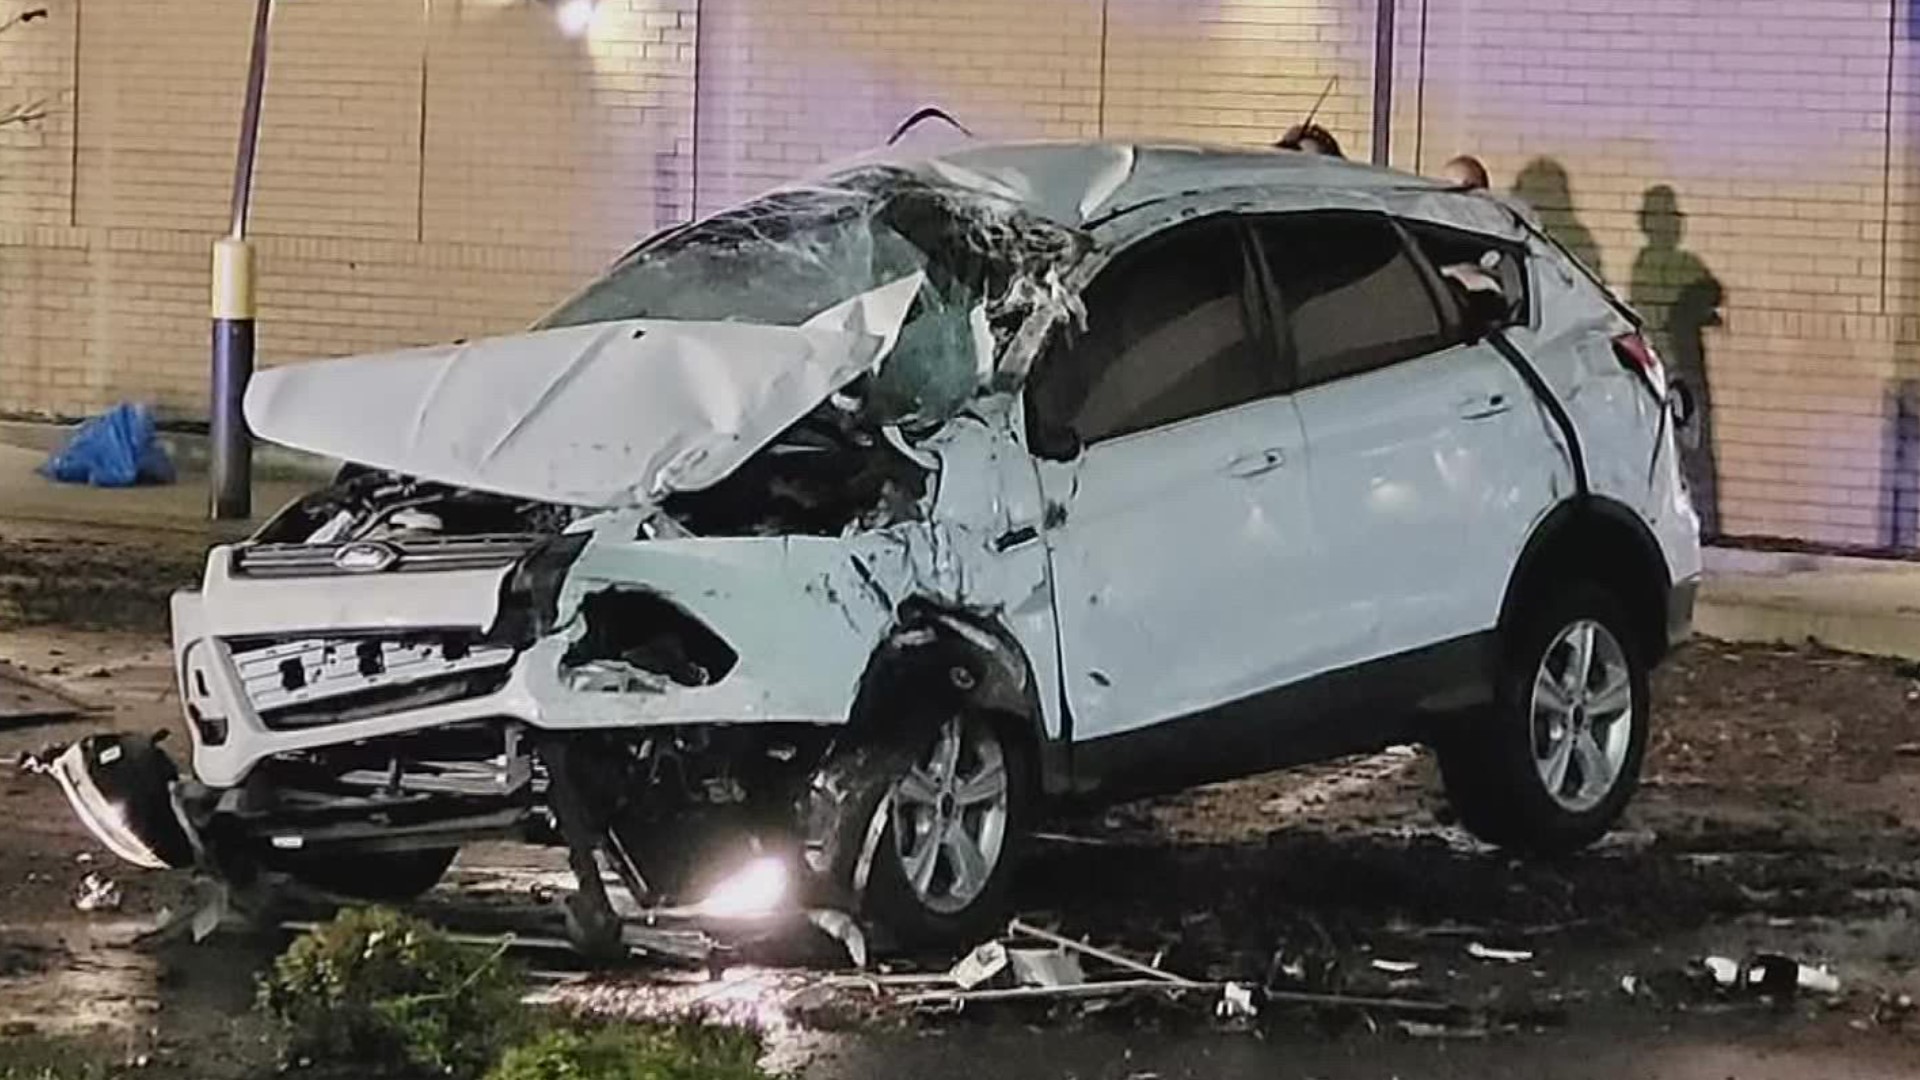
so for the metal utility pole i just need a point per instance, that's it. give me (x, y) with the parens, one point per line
(1383, 82)
(233, 309)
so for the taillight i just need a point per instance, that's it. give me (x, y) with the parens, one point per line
(1636, 354)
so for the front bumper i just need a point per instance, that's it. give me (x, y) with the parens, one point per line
(232, 611)
(803, 616)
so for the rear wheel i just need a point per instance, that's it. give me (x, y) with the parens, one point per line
(1555, 764)
(925, 830)
(390, 876)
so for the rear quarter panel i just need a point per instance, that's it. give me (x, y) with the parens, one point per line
(1626, 436)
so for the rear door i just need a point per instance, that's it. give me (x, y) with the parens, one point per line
(1429, 459)
(1179, 526)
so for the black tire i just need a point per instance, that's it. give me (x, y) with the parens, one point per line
(382, 877)
(854, 853)
(1492, 774)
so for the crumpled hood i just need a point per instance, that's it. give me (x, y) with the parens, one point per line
(606, 415)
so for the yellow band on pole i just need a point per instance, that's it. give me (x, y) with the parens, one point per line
(232, 279)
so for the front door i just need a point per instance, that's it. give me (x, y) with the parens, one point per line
(1178, 525)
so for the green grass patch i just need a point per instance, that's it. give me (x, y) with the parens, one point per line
(687, 1051)
(389, 991)
(378, 993)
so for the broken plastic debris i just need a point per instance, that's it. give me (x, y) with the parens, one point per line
(1236, 1002)
(1021, 929)
(841, 927)
(979, 967)
(1506, 956)
(1045, 967)
(1419, 1029)
(1772, 974)
(956, 999)
(1396, 967)
(98, 893)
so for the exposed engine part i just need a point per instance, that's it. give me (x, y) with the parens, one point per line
(367, 504)
(478, 761)
(825, 476)
(504, 774)
(636, 640)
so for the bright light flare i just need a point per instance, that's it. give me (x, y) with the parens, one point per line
(575, 16)
(754, 891)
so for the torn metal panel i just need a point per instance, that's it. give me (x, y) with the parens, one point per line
(611, 414)
(803, 614)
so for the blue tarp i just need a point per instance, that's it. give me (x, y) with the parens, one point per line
(112, 450)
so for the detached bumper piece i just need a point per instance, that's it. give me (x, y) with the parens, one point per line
(124, 789)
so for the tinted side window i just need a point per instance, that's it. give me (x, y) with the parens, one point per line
(1352, 297)
(1167, 338)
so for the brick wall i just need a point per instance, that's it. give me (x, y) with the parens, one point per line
(1765, 124)
(434, 168)
(426, 170)
(785, 86)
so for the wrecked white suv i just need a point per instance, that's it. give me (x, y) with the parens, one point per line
(809, 554)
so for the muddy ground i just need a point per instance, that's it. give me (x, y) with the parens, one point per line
(1781, 813)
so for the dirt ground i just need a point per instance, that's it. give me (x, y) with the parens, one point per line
(1781, 813)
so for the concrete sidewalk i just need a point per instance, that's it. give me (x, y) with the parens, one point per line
(1857, 605)
(28, 497)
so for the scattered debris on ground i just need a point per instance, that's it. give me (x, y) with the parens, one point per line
(1777, 818)
(98, 893)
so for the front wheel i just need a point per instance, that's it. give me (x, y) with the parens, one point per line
(922, 832)
(1553, 767)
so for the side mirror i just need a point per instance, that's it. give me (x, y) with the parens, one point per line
(1680, 402)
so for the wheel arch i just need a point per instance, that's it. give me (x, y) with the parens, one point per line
(1603, 540)
(968, 657)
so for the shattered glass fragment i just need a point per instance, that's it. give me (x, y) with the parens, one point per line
(787, 255)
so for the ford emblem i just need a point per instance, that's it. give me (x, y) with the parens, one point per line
(365, 557)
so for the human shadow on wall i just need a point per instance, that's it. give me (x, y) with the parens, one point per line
(1680, 298)
(1544, 186)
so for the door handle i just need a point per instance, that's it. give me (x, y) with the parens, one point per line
(1255, 464)
(1013, 538)
(1482, 408)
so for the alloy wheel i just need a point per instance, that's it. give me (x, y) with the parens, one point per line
(1582, 713)
(950, 815)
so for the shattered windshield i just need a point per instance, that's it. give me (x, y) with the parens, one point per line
(788, 255)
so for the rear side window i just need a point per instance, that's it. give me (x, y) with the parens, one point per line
(1168, 338)
(1352, 298)
(1450, 249)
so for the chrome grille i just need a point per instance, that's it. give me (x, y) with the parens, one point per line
(410, 555)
